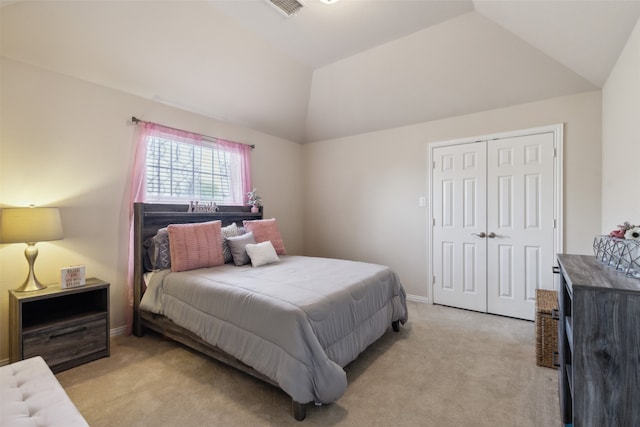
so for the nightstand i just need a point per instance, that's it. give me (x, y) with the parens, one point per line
(67, 327)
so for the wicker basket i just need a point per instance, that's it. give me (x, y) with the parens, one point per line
(546, 327)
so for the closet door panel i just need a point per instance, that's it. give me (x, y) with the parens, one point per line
(459, 254)
(520, 206)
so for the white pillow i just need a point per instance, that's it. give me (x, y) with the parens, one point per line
(262, 253)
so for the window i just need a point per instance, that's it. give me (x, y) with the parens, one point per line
(182, 171)
(182, 167)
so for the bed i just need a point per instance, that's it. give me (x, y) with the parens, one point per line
(295, 323)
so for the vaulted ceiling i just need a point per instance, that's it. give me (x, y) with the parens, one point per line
(331, 70)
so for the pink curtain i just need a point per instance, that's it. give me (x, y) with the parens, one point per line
(240, 169)
(241, 180)
(136, 194)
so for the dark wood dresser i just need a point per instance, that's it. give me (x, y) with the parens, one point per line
(67, 327)
(599, 344)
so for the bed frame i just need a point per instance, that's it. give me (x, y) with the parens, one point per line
(148, 218)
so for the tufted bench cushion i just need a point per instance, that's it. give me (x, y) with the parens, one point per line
(30, 395)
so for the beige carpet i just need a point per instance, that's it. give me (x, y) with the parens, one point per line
(446, 367)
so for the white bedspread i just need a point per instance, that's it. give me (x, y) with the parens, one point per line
(298, 321)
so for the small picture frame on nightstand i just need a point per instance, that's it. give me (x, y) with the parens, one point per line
(72, 277)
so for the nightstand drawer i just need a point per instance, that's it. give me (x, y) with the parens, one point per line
(67, 340)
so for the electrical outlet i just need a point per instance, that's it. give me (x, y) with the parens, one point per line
(422, 201)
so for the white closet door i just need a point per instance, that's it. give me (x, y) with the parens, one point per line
(459, 210)
(520, 213)
(493, 232)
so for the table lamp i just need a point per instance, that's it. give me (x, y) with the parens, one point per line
(30, 225)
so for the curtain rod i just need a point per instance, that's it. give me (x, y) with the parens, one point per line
(136, 120)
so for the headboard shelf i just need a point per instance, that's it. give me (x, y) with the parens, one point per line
(180, 207)
(200, 215)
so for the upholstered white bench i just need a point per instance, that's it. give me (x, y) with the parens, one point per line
(30, 395)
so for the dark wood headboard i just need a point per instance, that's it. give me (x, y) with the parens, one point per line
(150, 217)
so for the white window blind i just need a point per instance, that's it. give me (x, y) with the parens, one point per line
(180, 171)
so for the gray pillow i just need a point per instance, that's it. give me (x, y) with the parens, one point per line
(228, 231)
(161, 257)
(237, 247)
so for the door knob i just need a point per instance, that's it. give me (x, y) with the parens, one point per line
(491, 235)
(481, 234)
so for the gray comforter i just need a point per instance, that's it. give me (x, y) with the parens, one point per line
(298, 321)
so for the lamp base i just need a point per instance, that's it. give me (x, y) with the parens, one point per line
(31, 283)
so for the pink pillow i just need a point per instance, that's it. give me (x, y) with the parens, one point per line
(195, 245)
(266, 229)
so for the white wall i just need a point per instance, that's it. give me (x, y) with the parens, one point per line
(66, 143)
(362, 191)
(621, 138)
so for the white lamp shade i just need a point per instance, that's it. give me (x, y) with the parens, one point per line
(30, 225)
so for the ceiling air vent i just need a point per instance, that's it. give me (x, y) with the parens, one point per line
(286, 7)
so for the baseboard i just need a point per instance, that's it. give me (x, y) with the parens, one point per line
(418, 298)
(121, 330)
